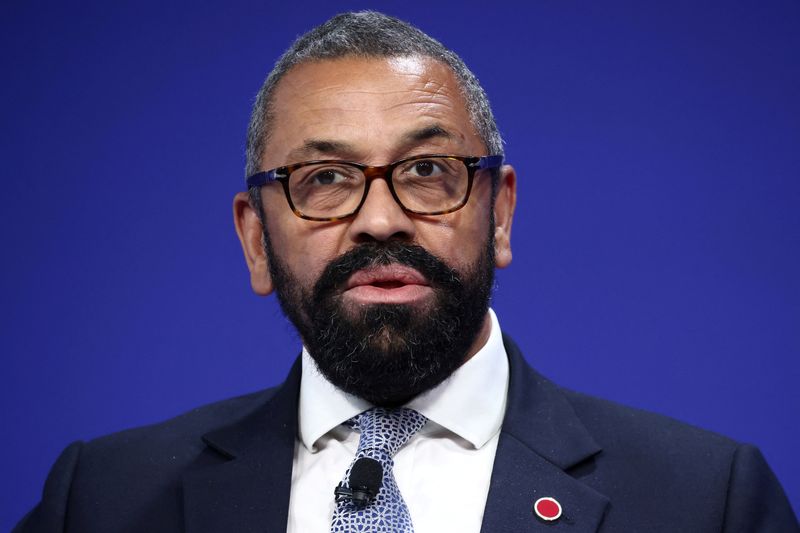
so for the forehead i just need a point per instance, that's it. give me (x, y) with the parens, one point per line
(371, 106)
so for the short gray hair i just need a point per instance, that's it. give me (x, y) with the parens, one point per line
(374, 35)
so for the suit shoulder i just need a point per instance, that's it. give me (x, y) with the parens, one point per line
(620, 427)
(647, 459)
(180, 434)
(95, 483)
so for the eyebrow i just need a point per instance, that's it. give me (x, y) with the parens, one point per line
(319, 148)
(428, 132)
(314, 148)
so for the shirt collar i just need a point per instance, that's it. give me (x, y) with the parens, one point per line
(454, 404)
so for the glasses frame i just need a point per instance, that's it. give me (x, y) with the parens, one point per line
(371, 173)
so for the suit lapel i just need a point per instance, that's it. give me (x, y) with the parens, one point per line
(244, 481)
(541, 439)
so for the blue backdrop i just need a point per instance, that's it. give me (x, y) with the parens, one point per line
(657, 237)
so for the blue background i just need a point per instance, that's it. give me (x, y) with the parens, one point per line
(657, 236)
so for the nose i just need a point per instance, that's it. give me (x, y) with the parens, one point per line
(381, 218)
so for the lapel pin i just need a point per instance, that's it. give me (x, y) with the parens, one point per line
(547, 508)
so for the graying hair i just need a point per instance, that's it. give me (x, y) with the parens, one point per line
(372, 35)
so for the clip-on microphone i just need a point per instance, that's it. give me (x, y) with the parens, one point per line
(365, 481)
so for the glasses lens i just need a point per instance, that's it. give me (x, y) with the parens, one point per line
(431, 184)
(327, 189)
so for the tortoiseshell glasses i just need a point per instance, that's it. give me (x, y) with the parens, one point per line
(331, 190)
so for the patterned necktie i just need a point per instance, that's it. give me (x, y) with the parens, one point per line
(383, 432)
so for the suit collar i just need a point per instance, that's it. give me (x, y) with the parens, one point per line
(541, 418)
(249, 491)
(541, 440)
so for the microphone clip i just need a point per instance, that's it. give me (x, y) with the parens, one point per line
(359, 496)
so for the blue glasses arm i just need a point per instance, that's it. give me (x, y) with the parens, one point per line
(490, 161)
(261, 178)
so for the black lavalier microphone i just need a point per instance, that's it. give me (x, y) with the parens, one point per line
(365, 481)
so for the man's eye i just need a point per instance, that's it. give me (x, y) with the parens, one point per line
(425, 169)
(328, 176)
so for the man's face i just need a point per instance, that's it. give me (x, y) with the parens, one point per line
(385, 279)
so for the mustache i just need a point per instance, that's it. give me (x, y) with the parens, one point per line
(373, 254)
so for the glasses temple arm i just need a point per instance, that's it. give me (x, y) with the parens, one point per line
(489, 161)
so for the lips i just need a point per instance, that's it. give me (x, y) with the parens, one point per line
(389, 276)
(387, 284)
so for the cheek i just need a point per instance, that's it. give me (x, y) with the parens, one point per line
(458, 239)
(305, 251)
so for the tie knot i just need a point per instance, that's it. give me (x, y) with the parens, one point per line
(386, 430)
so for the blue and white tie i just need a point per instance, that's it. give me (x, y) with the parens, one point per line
(383, 432)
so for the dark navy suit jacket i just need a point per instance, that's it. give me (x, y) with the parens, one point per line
(227, 468)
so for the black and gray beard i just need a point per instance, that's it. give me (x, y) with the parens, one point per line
(387, 353)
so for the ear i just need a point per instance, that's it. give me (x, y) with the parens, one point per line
(250, 232)
(504, 204)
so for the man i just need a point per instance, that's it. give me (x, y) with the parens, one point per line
(378, 207)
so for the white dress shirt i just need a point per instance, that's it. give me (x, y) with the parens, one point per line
(443, 472)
